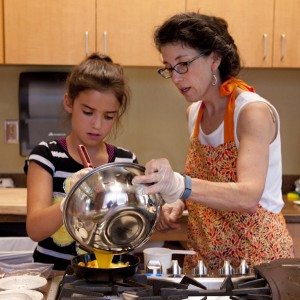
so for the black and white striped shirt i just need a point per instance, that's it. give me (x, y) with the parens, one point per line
(55, 159)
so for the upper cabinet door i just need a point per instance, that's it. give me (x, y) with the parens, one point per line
(250, 23)
(59, 32)
(1, 32)
(286, 34)
(125, 29)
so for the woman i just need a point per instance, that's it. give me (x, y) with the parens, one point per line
(96, 98)
(232, 186)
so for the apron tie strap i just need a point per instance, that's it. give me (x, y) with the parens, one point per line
(229, 88)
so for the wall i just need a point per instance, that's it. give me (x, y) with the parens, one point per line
(155, 125)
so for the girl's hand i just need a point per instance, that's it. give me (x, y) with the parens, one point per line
(169, 215)
(163, 180)
(71, 181)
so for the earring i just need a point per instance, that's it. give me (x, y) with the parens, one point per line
(215, 80)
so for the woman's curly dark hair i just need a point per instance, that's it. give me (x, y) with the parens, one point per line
(204, 33)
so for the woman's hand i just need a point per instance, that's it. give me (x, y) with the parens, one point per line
(169, 215)
(163, 180)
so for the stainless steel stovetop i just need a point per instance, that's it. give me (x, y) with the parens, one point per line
(283, 284)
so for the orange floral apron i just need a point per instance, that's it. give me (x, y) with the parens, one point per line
(218, 235)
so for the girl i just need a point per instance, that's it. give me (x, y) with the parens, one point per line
(96, 98)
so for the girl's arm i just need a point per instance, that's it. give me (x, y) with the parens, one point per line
(43, 218)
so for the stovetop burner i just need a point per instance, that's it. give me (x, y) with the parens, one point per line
(75, 287)
(283, 276)
(278, 280)
(142, 287)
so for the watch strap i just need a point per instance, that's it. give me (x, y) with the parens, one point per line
(187, 187)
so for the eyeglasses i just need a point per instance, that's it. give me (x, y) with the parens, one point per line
(180, 68)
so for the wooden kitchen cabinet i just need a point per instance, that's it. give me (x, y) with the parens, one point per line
(63, 32)
(52, 32)
(125, 29)
(266, 32)
(251, 28)
(286, 34)
(48, 32)
(1, 33)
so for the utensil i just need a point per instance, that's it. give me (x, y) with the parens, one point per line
(84, 156)
(105, 211)
(105, 275)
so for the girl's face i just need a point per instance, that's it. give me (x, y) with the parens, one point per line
(195, 84)
(93, 115)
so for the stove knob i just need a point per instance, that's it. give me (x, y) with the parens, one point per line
(154, 267)
(200, 270)
(175, 269)
(227, 269)
(243, 269)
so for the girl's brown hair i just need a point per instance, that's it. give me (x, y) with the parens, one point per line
(98, 72)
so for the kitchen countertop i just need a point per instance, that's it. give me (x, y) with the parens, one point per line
(53, 285)
(13, 201)
(13, 210)
(13, 206)
(291, 211)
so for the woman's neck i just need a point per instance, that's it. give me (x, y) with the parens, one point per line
(213, 114)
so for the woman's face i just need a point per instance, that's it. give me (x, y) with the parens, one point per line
(93, 115)
(195, 84)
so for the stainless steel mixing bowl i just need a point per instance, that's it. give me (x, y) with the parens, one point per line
(105, 211)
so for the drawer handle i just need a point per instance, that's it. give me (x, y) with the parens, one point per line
(265, 45)
(282, 46)
(104, 41)
(86, 43)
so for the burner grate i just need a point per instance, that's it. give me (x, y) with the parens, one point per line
(75, 287)
(142, 287)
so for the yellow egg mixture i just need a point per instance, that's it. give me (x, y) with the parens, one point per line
(103, 261)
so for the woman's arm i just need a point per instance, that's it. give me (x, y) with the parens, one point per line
(256, 130)
(43, 218)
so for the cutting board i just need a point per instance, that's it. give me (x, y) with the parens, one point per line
(13, 201)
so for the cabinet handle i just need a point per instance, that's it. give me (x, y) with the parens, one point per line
(265, 45)
(104, 41)
(86, 43)
(282, 45)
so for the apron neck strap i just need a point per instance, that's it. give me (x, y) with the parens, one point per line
(228, 88)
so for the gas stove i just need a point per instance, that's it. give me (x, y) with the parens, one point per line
(278, 280)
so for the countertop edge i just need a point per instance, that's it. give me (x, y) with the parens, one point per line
(13, 201)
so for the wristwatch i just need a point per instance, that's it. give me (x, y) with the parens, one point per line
(187, 188)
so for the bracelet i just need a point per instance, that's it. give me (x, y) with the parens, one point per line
(187, 187)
